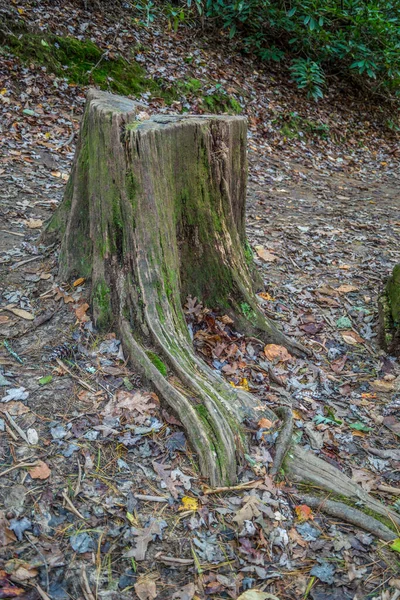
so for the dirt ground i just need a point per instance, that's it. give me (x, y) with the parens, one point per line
(100, 495)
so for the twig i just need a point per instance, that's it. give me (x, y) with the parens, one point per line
(42, 593)
(172, 560)
(10, 431)
(80, 381)
(85, 585)
(284, 438)
(241, 486)
(78, 483)
(19, 466)
(13, 232)
(389, 489)
(350, 515)
(150, 498)
(71, 507)
(17, 428)
(24, 262)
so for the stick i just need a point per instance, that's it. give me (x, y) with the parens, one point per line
(85, 585)
(16, 427)
(241, 486)
(78, 483)
(172, 559)
(13, 233)
(71, 507)
(19, 466)
(389, 489)
(150, 498)
(81, 382)
(24, 262)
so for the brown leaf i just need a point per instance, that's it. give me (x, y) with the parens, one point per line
(265, 254)
(185, 593)
(265, 423)
(41, 471)
(20, 570)
(4, 319)
(80, 312)
(20, 312)
(367, 480)
(346, 288)
(352, 338)
(6, 534)
(337, 365)
(382, 385)
(145, 588)
(279, 353)
(14, 408)
(34, 223)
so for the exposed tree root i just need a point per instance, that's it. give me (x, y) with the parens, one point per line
(284, 440)
(346, 513)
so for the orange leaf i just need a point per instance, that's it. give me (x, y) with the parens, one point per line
(303, 512)
(275, 352)
(78, 281)
(81, 311)
(266, 254)
(41, 471)
(265, 423)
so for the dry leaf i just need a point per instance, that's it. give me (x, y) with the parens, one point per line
(367, 480)
(41, 471)
(327, 290)
(78, 281)
(34, 223)
(189, 503)
(20, 570)
(266, 254)
(20, 312)
(45, 276)
(80, 312)
(303, 512)
(347, 288)
(14, 408)
(278, 353)
(381, 385)
(351, 338)
(265, 423)
(296, 537)
(6, 534)
(145, 588)
(4, 319)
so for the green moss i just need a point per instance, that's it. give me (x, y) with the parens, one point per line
(295, 126)
(81, 62)
(222, 102)
(248, 253)
(102, 304)
(393, 295)
(158, 363)
(248, 312)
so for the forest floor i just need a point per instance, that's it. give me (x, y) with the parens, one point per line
(100, 496)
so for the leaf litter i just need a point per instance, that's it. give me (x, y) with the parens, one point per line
(323, 225)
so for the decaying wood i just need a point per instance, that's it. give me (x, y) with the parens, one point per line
(154, 211)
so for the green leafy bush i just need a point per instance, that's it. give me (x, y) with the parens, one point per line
(356, 39)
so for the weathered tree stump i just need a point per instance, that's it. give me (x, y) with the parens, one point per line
(389, 314)
(154, 210)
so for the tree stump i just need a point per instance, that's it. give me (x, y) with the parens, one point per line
(154, 211)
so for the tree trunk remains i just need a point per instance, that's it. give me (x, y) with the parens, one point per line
(389, 314)
(154, 210)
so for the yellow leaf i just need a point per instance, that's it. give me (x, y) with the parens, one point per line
(265, 296)
(34, 223)
(78, 281)
(189, 503)
(244, 384)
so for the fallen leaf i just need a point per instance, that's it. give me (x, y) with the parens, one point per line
(78, 281)
(80, 312)
(351, 338)
(20, 312)
(15, 408)
(41, 471)
(346, 288)
(146, 588)
(381, 385)
(367, 480)
(185, 593)
(189, 503)
(265, 423)
(303, 512)
(257, 595)
(4, 319)
(20, 570)
(278, 353)
(265, 254)
(6, 535)
(34, 223)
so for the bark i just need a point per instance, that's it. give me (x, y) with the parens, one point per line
(389, 314)
(154, 210)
